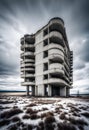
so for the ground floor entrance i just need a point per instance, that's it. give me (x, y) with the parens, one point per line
(55, 91)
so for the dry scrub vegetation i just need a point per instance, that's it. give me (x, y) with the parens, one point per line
(22, 113)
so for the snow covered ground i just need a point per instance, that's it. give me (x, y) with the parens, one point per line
(24, 113)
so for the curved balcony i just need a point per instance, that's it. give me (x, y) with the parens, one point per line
(56, 57)
(31, 54)
(56, 71)
(56, 68)
(27, 64)
(29, 60)
(30, 38)
(28, 83)
(66, 79)
(58, 81)
(55, 46)
(55, 51)
(56, 65)
(28, 69)
(22, 40)
(27, 46)
(66, 61)
(56, 54)
(66, 73)
(66, 66)
(27, 75)
(56, 21)
(56, 34)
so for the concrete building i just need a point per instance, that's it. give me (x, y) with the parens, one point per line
(47, 61)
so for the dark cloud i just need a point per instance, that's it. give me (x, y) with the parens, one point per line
(85, 51)
(18, 17)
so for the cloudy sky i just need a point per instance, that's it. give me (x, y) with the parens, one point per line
(19, 17)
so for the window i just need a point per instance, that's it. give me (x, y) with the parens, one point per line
(46, 31)
(45, 66)
(45, 43)
(46, 76)
(45, 54)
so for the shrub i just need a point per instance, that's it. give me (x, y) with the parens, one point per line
(43, 115)
(57, 110)
(46, 114)
(13, 127)
(44, 108)
(49, 113)
(31, 105)
(72, 120)
(34, 116)
(48, 123)
(66, 126)
(86, 114)
(26, 116)
(81, 127)
(83, 107)
(15, 119)
(60, 106)
(10, 113)
(15, 107)
(62, 116)
(82, 122)
(49, 119)
(78, 121)
(29, 127)
(70, 104)
(5, 102)
(41, 125)
(76, 114)
(4, 122)
(30, 111)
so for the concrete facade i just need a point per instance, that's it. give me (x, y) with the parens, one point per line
(47, 61)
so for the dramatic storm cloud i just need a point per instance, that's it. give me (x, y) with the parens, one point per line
(19, 17)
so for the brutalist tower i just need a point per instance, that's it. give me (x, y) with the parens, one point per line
(47, 61)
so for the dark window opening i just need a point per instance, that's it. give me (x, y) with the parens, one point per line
(56, 40)
(45, 54)
(46, 76)
(46, 31)
(45, 42)
(46, 89)
(45, 66)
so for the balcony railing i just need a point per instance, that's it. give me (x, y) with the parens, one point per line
(56, 71)
(27, 83)
(27, 75)
(56, 57)
(27, 46)
(56, 66)
(27, 54)
(27, 64)
(27, 69)
(59, 81)
(54, 45)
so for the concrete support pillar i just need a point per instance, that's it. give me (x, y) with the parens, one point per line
(41, 90)
(63, 91)
(67, 92)
(49, 90)
(27, 90)
(33, 90)
(36, 90)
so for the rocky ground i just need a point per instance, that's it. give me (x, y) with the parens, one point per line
(24, 113)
